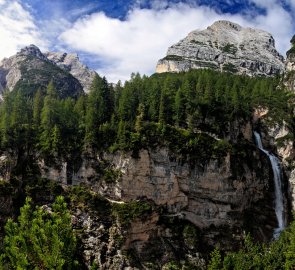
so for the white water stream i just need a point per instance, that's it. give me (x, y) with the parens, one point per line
(279, 198)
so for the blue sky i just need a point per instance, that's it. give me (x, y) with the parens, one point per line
(117, 37)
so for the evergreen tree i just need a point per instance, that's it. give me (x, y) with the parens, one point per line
(56, 140)
(6, 109)
(139, 118)
(215, 261)
(99, 109)
(37, 108)
(49, 118)
(41, 239)
(180, 110)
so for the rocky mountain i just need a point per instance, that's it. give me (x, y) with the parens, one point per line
(71, 63)
(225, 46)
(30, 69)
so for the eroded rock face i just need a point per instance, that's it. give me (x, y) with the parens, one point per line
(72, 64)
(223, 192)
(225, 46)
(207, 195)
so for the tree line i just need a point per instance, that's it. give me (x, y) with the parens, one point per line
(127, 116)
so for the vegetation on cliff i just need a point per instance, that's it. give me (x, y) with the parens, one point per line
(144, 112)
(190, 113)
(41, 239)
(279, 254)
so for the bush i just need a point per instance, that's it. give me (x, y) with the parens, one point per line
(42, 238)
(127, 212)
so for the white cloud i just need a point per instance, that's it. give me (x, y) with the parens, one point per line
(17, 28)
(136, 43)
(278, 22)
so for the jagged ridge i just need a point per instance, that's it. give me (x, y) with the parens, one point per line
(31, 69)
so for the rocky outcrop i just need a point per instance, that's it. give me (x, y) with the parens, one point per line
(72, 64)
(225, 46)
(289, 78)
(30, 69)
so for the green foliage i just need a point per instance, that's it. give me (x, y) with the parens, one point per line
(229, 67)
(40, 239)
(279, 254)
(185, 111)
(229, 48)
(111, 175)
(171, 266)
(127, 212)
(190, 235)
(215, 261)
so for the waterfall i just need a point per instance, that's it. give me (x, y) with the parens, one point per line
(279, 198)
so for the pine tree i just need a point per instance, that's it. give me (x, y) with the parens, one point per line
(6, 109)
(99, 109)
(37, 108)
(180, 111)
(56, 140)
(215, 261)
(49, 118)
(41, 239)
(139, 118)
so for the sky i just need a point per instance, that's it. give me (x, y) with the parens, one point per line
(118, 37)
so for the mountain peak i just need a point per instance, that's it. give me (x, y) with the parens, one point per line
(32, 50)
(225, 25)
(225, 46)
(30, 60)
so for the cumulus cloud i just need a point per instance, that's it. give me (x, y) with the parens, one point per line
(136, 43)
(277, 21)
(17, 28)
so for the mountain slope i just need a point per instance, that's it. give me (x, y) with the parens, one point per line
(70, 62)
(225, 46)
(30, 69)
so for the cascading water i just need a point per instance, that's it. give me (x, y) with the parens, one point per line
(279, 199)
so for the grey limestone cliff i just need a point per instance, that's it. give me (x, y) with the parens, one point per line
(225, 46)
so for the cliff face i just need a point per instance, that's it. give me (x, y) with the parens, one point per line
(218, 199)
(225, 46)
